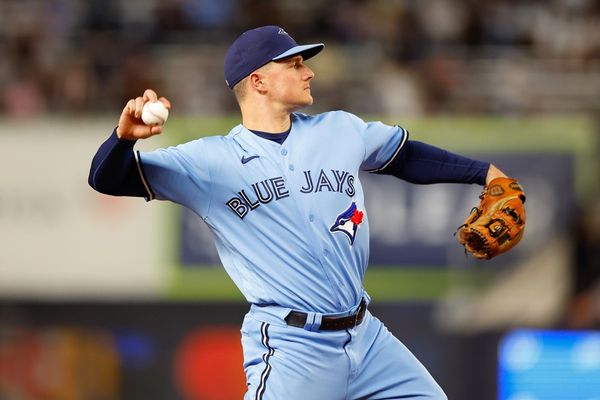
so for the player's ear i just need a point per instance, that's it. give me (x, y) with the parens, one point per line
(257, 82)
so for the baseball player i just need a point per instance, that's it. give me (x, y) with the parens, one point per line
(282, 195)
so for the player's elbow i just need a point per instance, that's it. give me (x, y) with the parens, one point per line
(97, 185)
(100, 183)
(116, 182)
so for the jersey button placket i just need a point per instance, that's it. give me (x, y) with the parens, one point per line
(284, 152)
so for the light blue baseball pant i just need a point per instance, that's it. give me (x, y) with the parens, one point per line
(366, 362)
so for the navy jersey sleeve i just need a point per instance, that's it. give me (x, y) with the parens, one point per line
(114, 169)
(421, 163)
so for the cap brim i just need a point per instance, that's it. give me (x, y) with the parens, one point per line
(306, 51)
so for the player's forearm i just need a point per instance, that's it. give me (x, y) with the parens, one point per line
(424, 164)
(114, 169)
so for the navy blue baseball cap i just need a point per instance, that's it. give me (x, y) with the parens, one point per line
(257, 47)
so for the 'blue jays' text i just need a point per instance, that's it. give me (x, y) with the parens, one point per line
(267, 190)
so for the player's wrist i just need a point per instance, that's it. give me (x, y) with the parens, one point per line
(493, 173)
(123, 136)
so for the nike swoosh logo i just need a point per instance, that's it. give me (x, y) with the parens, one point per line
(246, 159)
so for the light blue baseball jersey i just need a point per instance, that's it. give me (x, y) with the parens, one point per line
(289, 220)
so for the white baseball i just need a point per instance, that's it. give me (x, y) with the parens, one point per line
(154, 113)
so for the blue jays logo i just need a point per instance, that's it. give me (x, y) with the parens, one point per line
(348, 221)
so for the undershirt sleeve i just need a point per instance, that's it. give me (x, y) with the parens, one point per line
(115, 171)
(421, 163)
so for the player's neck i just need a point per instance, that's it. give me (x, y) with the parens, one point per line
(266, 120)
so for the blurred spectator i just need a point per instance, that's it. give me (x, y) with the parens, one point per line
(170, 17)
(24, 91)
(210, 14)
(76, 87)
(22, 97)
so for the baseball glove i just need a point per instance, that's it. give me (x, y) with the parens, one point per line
(498, 223)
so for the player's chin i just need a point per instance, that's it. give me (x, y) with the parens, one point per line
(308, 99)
(304, 101)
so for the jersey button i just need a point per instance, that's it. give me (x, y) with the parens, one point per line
(326, 253)
(291, 167)
(311, 218)
(283, 152)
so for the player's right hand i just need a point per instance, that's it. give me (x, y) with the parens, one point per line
(131, 126)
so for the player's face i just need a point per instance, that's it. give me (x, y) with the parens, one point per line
(289, 83)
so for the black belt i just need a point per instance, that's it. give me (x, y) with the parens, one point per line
(330, 323)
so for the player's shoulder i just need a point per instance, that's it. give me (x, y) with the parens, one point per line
(198, 143)
(204, 147)
(328, 117)
(214, 140)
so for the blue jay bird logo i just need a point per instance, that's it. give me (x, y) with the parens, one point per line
(348, 221)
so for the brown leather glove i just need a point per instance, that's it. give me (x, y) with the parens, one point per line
(498, 223)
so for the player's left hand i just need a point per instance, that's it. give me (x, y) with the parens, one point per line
(498, 223)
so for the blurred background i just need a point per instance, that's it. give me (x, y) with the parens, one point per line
(114, 298)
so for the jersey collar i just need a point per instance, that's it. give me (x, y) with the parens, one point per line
(252, 142)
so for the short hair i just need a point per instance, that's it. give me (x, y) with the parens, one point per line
(241, 88)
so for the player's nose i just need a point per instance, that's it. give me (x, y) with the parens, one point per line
(309, 73)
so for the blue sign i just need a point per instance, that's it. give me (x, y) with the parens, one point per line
(549, 365)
